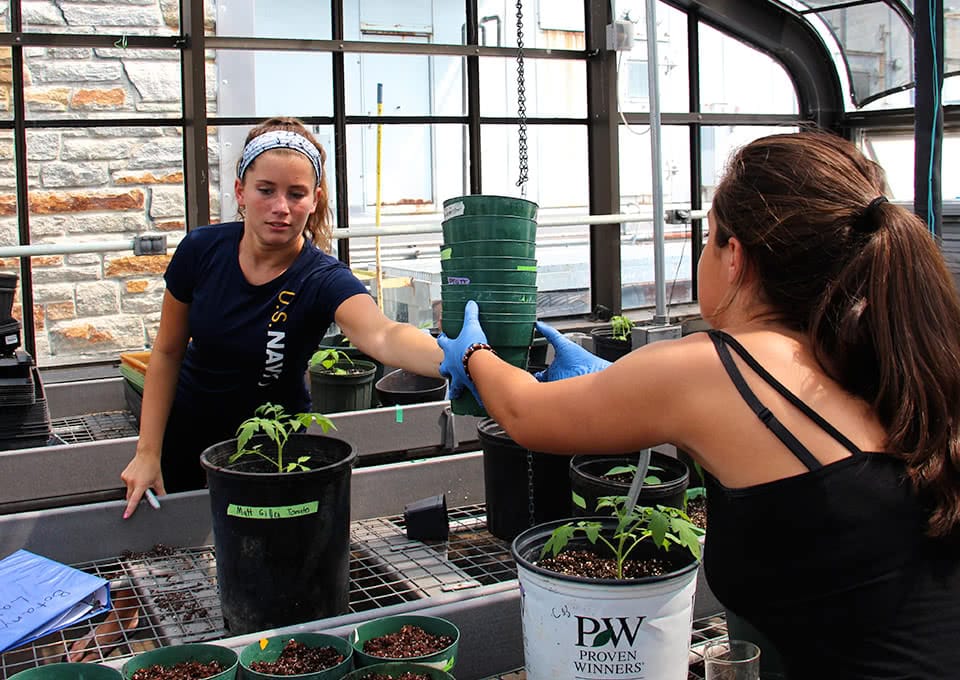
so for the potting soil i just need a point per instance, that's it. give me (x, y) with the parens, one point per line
(408, 642)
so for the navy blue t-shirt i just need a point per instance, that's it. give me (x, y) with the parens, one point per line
(250, 344)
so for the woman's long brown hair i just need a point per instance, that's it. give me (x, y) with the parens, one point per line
(869, 287)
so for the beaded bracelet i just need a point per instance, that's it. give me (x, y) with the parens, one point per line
(470, 350)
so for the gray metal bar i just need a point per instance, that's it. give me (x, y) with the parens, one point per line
(603, 158)
(80, 397)
(43, 474)
(196, 163)
(653, 79)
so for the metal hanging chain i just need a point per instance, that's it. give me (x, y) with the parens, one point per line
(521, 104)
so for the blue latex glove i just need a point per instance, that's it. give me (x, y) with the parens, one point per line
(571, 359)
(453, 350)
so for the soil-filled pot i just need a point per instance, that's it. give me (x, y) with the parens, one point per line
(442, 659)
(513, 483)
(588, 480)
(69, 671)
(488, 204)
(176, 654)
(351, 390)
(282, 539)
(340, 343)
(401, 387)
(604, 629)
(274, 646)
(608, 347)
(396, 670)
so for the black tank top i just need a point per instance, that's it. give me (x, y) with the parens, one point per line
(833, 565)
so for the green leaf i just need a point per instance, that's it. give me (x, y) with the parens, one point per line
(659, 523)
(579, 500)
(602, 639)
(591, 529)
(620, 470)
(651, 479)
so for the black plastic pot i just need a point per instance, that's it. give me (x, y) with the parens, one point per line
(282, 539)
(508, 486)
(403, 387)
(588, 481)
(335, 393)
(340, 343)
(608, 347)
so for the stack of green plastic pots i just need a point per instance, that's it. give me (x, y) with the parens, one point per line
(489, 255)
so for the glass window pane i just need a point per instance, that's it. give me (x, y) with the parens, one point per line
(877, 47)
(6, 84)
(557, 23)
(96, 185)
(9, 225)
(5, 15)
(673, 83)
(266, 83)
(724, 89)
(636, 196)
(412, 85)
(303, 19)
(155, 18)
(421, 166)
(85, 83)
(717, 145)
(894, 151)
(951, 91)
(559, 183)
(951, 29)
(552, 87)
(411, 20)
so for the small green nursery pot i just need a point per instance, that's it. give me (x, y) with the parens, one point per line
(443, 659)
(271, 652)
(69, 671)
(396, 670)
(171, 656)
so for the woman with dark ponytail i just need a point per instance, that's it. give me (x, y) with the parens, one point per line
(824, 406)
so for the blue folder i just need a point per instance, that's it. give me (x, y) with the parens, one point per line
(39, 596)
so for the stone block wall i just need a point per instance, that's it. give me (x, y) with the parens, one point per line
(98, 184)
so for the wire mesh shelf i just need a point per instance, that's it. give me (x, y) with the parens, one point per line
(168, 595)
(94, 427)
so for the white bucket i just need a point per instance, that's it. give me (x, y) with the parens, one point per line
(603, 629)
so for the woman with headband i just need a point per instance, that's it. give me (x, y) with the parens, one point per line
(246, 305)
(824, 406)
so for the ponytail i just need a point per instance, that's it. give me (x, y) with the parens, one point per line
(887, 329)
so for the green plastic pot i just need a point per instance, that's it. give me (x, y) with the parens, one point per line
(481, 204)
(455, 307)
(463, 293)
(482, 277)
(459, 229)
(442, 660)
(465, 404)
(271, 652)
(499, 333)
(69, 671)
(396, 670)
(497, 248)
(170, 656)
(453, 265)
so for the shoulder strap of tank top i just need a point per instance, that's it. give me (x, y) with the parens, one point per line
(720, 342)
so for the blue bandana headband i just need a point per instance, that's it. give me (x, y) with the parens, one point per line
(279, 139)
